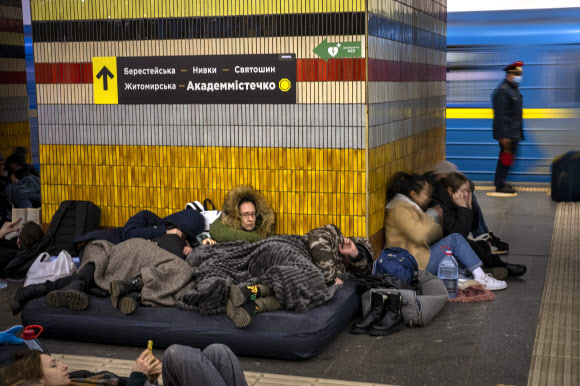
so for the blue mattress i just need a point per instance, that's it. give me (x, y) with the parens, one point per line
(281, 334)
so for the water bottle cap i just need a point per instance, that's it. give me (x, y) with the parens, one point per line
(446, 250)
(30, 332)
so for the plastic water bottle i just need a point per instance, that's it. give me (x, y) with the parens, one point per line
(449, 272)
(30, 334)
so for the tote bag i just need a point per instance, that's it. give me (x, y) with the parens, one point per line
(44, 268)
(208, 215)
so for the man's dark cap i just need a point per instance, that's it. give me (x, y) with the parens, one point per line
(514, 68)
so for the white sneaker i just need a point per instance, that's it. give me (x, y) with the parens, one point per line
(490, 283)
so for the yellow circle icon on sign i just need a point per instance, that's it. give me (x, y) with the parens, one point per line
(284, 84)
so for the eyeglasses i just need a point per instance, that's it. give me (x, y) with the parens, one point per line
(249, 214)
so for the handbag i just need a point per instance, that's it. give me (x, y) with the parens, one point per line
(44, 268)
(209, 215)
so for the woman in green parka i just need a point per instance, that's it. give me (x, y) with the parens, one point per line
(246, 215)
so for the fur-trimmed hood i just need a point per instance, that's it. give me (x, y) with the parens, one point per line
(230, 216)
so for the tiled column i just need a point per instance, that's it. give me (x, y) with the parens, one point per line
(14, 127)
(406, 95)
(310, 159)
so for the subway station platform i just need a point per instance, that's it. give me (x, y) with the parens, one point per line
(527, 335)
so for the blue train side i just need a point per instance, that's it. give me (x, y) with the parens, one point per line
(479, 45)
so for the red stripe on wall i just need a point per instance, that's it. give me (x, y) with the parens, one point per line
(51, 73)
(307, 70)
(12, 77)
(390, 71)
(7, 25)
(315, 70)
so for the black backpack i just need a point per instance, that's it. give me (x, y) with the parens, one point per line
(566, 177)
(72, 220)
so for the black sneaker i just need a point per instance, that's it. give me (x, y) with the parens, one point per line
(505, 189)
(498, 246)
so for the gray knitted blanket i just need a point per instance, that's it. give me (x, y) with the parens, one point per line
(283, 263)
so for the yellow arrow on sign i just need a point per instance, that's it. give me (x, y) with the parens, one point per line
(105, 80)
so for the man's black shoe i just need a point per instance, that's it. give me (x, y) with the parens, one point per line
(505, 189)
(516, 270)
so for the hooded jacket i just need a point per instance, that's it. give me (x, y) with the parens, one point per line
(228, 226)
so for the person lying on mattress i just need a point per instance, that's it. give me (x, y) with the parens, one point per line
(180, 366)
(136, 271)
(336, 257)
(145, 224)
(246, 215)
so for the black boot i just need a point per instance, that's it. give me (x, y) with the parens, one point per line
(120, 288)
(129, 303)
(515, 270)
(392, 318)
(25, 294)
(72, 296)
(377, 305)
(242, 295)
(241, 316)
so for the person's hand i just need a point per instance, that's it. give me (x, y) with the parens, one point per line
(505, 141)
(338, 281)
(175, 231)
(468, 199)
(439, 211)
(147, 364)
(459, 199)
(155, 372)
(348, 248)
(187, 250)
(9, 227)
(208, 241)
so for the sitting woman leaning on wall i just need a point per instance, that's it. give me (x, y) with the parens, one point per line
(454, 193)
(408, 226)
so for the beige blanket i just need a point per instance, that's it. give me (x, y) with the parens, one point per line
(164, 275)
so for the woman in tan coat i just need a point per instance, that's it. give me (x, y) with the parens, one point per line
(408, 226)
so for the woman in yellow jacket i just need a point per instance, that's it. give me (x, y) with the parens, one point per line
(408, 226)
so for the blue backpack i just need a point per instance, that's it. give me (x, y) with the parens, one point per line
(397, 262)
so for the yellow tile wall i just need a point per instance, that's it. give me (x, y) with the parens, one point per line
(14, 134)
(307, 188)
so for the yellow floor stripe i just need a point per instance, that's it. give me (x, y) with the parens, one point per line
(455, 113)
(102, 9)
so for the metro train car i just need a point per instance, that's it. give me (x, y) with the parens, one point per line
(479, 45)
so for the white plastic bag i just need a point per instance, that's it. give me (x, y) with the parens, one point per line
(44, 268)
(208, 215)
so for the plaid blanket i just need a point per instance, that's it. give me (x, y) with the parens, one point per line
(283, 263)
